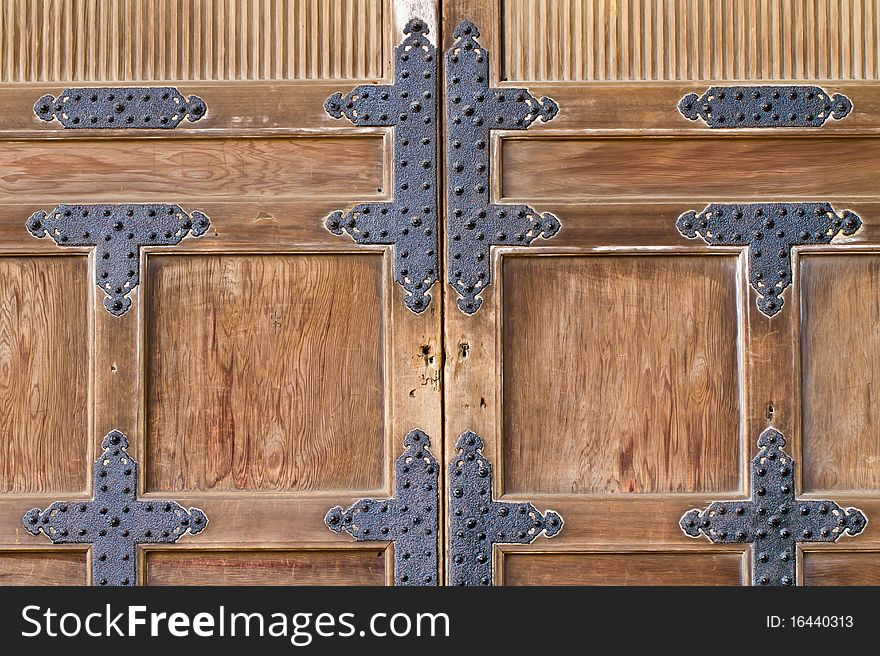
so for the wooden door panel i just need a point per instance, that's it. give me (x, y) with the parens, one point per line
(622, 348)
(290, 380)
(839, 343)
(58, 567)
(622, 568)
(197, 169)
(290, 567)
(688, 169)
(842, 568)
(46, 390)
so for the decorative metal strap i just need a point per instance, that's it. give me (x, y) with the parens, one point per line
(410, 221)
(476, 522)
(409, 520)
(473, 109)
(116, 521)
(117, 232)
(773, 521)
(120, 108)
(768, 230)
(765, 107)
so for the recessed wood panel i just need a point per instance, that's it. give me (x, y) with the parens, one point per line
(159, 40)
(623, 569)
(841, 568)
(62, 567)
(672, 168)
(691, 39)
(328, 567)
(44, 373)
(132, 170)
(840, 343)
(265, 372)
(620, 374)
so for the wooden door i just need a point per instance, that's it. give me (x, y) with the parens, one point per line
(266, 370)
(619, 372)
(589, 347)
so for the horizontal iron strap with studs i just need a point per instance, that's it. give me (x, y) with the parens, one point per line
(773, 521)
(117, 232)
(410, 221)
(477, 522)
(769, 231)
(783, 106)
(410, 519)
(120, 108)
(475, 224)
(116, 521)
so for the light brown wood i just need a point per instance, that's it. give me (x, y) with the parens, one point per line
(623, 569)
(44, 373)
(161, 40)
(690, 39)
(56, 567)
(620, 374)
(841, 568)
(280, 360)
(330, 567)
(618, 165)
(155, 170)
(839, 345)
(672, 168)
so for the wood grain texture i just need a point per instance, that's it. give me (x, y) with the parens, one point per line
(145, 170)
(167, 40)
(637, 358)
(265, 372)
(676, 168)
(60, 567)
(589, 40)
(329, 567)
(44, 373)
(840, 343)
(841, 568)
(623, 569)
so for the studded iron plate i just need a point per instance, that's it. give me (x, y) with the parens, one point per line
(773, 521)
(410, 519)
(117, 232)
(475, 224)
(410, 221)
(120, 108)
(477, 523)
(768, 230)
(765, 107)
(116, 521)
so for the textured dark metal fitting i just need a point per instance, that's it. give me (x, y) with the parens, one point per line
(410, 221)
(116, 521)
(477, 522)
(120, 108)
(475, 224)
(117, 232)
(410, 520)
(773, 521)
(769, 231)
(784, 106)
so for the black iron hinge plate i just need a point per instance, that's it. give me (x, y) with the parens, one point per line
(116, 521)
(117, 232)
(121, 108)
(774, 520)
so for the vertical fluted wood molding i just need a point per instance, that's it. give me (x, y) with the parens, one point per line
(152, 40)
(618, 40)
